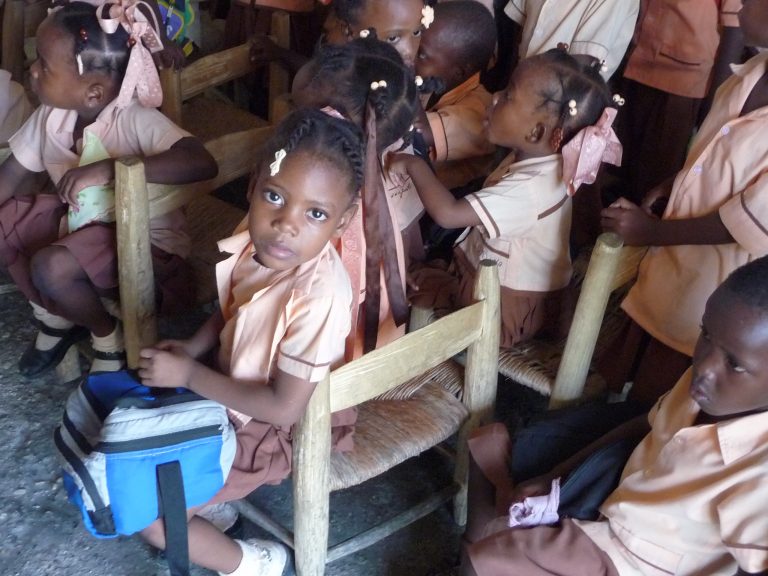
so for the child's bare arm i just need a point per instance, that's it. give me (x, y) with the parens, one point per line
(14, 179)
(447, 211)
(206, 337)
(638, 228)
(281, 402)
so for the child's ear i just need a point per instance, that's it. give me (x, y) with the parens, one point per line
(95, 95)
(536, 133)
(346, 218)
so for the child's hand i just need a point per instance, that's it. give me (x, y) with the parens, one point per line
(96, 174)
(400, 161)
(635, 226)
(166, 368)
(171, 56)
(537, 486)
(263, 49)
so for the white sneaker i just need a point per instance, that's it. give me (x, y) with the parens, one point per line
(260, 558)
(222, 515)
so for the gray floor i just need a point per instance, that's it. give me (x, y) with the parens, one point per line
(41, 533)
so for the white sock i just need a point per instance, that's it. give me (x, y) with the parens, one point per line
(111, 343)
(45, 341)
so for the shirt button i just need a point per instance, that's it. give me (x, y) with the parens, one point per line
(725, 130)
(697, 169)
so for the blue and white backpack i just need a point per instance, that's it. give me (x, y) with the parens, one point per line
(131, 454)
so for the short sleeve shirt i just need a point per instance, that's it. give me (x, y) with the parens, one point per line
(295, 320)
(692, 497)
(599, 28)
(526, 220)
(676, 43)
(46, 140)
(726, 171)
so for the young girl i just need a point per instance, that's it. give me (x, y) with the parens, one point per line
(523, 215)
(715, 220)
(285, 312)
(88, 118)
(366, 81)
(396, 22)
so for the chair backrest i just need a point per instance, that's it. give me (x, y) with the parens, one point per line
(611, 266)
(136, 202)
(475, 328)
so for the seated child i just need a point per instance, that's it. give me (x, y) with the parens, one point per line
(397, 22)
(691, 497)
(453, 52)
(715, 220)
(522, 217)
(594, 28)
(64, 263)
(285, 312)
(365, 80)
(14, 106)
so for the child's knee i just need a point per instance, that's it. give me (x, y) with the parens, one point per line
(53, 267)
(154, 534)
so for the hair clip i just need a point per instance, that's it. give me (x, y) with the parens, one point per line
(364, 33)
(80, 68)
(83, 35)
(379, 84)
(618, 100)
(419, 81)
(562, 46)
(603, 66)
(274, 168)
(427, 16)
(572, 110)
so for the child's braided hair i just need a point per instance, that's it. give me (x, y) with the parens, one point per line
(98, 51)
(336, 140)
(348, 71)
(578, 82)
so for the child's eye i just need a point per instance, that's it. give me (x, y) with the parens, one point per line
(273, 197)
(393, 39)
(418, 32)
(317, 214)
(734, 365)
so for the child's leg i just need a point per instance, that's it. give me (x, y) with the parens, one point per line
(66, 289)
(208, 547)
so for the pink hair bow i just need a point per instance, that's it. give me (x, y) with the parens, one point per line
(141, 74)
(585, 152)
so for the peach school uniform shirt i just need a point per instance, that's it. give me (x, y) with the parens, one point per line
(726, 171)
(45, 143)
(526, 219)
(676, 42)
(692, 497)
(599, 28)
(14, 106)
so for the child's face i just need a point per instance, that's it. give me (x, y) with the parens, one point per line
(396, 21)
(753, 19)
(295, 213)
(730, 375)
(517, 118)
(436, 57)
(54, 76)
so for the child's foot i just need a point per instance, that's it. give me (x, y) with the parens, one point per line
(260, 558)
(55, 336)
(108, 351)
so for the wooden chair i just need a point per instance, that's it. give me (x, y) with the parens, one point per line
(388, 432)
(560, 369)
(20, 21)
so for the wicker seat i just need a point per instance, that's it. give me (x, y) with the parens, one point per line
(390, 431)
(561, 369)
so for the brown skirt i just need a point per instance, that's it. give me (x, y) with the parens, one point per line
(560, 550)
(523, 314)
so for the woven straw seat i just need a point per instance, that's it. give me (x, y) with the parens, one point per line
(389, 432)
(561, 368)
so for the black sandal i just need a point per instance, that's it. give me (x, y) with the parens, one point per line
(35, 362)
